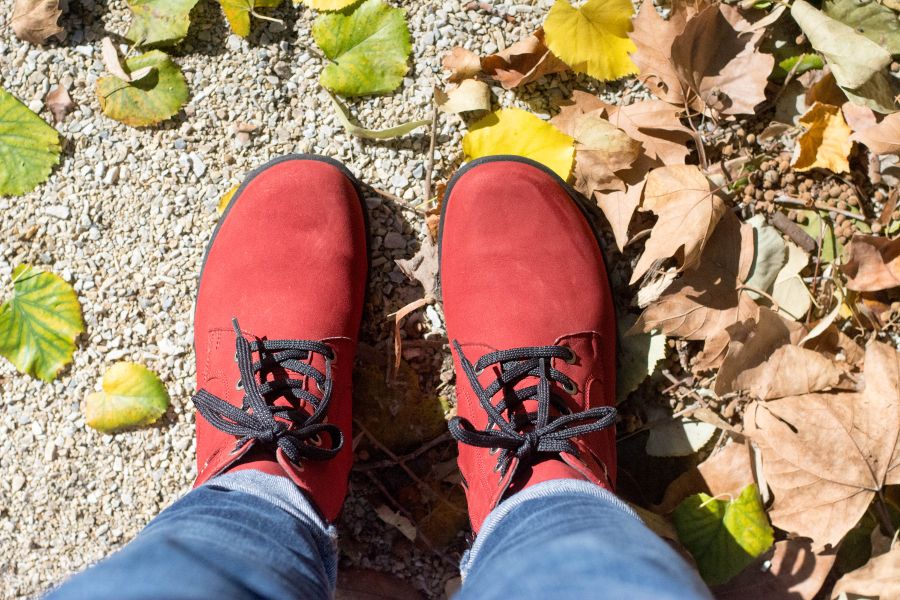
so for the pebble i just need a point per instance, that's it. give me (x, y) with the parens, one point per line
(394, 241)
(58, 211)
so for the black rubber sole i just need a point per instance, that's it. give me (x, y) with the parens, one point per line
(577, 198)
(357, 186)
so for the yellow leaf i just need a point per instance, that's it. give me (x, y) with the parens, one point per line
(515, 131)
(327, 4)
(826, 142)
(225, 199)
(593, 39)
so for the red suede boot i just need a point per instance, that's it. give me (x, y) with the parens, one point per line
(288, 261)
(531, 323)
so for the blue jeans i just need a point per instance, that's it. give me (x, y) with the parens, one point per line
(252, 535)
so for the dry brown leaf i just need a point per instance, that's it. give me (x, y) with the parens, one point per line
(821, 87)
(872, 263)
(790, 570)
(878, 578)
(826, 143)
(721, 68)
(882, 138)
(469, 95)
(654, 37)
(688, 211)
(525, 61)
(35, 21)
(825, 455)
(657, 126)
(461, 63)
(726, 472)
(790, 371)
(59, 103)
(704, 302)
(618, 206)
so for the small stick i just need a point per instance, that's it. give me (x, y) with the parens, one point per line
(781, 222)
(819, 206)
(429, 169)
(397, 200)
(383, 464)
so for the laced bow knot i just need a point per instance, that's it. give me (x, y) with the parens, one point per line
(524, 436)
(297, 432)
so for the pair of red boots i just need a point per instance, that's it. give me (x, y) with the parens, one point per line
(528, 311)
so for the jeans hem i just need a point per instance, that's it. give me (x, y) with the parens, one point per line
(545, 489)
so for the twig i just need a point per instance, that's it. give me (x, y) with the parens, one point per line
(429, 169)
(383, 464)
(793, 231)
(820, 206)
(787, 80)
(750, 288)
(403, 466)
(397, 200)
(815, 281)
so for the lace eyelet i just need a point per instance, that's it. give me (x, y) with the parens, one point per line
(493, 451)
(319, 387)
(497, 467)
(239, 385)
(316, 441)
(571, 388)
(571, 358)
(478, 371)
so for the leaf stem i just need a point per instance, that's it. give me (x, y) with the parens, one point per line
(266, 18)
(883, 515)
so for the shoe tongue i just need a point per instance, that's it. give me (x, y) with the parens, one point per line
(544, 470)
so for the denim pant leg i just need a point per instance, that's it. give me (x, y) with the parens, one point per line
(567, 539)
(242, 535)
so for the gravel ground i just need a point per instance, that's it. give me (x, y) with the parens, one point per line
(125, 219)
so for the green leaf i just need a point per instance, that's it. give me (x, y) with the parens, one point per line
(39, 324)
(812, 224)
(638, 356)
(368, 45)
(343, 115)
(238, 13)
(770, 255)
(808, 62)
(868, 17)
(159, 22)
(723, 536)
(148, 101)
(28, 147)
(132, 396)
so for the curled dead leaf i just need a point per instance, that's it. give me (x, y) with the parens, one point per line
(467, 96)
(114, 66)
(35, 21)
(527, 60)
(461, 63)
(872, 263)
(688, 211)
(59, 103)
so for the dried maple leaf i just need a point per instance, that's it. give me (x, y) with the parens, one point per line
(826, 143)
(461, 63)
(705, 301)
(688, 211)
(654, 37)
(701, 57)
(878, 578)
(36, 20)
(618, 206)
(525, 61)
(872, 263)
(719, 66)
(724, 473)
(826, 455)
(657, 126)
(59, 103)
(468, 95)
(882, 138)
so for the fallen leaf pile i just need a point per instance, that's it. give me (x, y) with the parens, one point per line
(750, 189)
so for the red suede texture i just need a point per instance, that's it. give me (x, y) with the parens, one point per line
(289, 262)
(520, 266)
